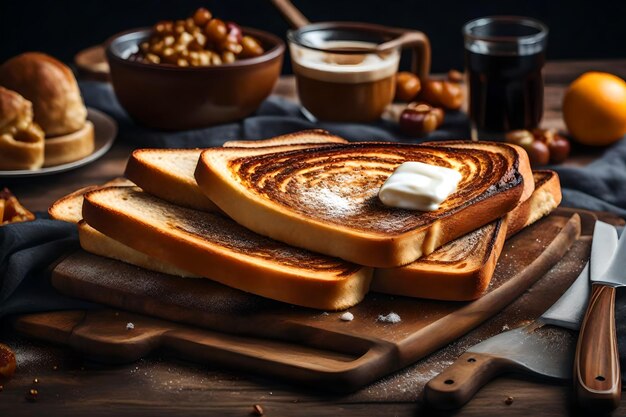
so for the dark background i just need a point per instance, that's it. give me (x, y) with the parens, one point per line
(578, 30)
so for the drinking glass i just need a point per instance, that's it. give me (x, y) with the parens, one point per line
(504, 57)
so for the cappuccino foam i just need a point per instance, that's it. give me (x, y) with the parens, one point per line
(344, 68)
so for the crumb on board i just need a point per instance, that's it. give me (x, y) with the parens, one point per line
(347, 316)
(130, 326)
(389, 318)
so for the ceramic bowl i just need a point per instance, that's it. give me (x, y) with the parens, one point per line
(168, 97)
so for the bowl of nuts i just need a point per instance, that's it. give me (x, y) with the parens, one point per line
(193, 73)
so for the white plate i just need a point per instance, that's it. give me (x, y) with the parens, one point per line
(105, 131)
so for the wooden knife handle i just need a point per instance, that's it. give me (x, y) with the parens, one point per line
(597, 378)
(458, 383)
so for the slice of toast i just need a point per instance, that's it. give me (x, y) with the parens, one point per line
(169, 173)
(215, 247)
(69, 209)
(325, 199)
(462, 269)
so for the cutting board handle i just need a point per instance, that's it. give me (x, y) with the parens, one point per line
(458, 383)
(597, 377)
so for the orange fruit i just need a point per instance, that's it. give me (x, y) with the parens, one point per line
(594, 108)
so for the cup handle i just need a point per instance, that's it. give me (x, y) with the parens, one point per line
(418, 41)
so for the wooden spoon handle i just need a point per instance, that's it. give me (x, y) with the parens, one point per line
(458, 383)
(596, 365)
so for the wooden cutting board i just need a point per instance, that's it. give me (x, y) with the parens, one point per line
(203, 321)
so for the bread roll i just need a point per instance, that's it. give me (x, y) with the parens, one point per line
(21, 141)
(51, 87)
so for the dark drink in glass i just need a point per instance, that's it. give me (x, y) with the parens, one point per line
(504, 57)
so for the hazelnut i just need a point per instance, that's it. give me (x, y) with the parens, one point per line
(446, 94)
(520, 137)
(558, 145)
(215, 30)
(7, 362)
(419, 119)
(538, 152)
(559, 150)
(202, 16)
(407, 86)
(250, 47)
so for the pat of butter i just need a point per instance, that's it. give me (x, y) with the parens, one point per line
(419, 186)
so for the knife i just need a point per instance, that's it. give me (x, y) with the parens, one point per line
(544, 348)
(597, 377)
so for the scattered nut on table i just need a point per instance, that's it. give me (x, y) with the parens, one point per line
(542, 145)
(419, 119)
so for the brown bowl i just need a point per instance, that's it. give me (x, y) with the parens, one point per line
(178, 98)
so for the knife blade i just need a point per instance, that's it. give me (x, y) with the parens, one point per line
(541, 348)
(596, 364)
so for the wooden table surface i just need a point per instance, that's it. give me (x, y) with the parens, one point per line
(70, 385)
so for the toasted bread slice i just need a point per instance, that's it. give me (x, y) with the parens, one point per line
(215, 247)
(462, 269)
(169, 173)
(69, 209)
(98, 243)
(325, 199)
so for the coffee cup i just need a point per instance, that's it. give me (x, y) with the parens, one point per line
(346, 71)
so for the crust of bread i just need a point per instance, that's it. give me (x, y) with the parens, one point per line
(547, 197)
(327, 289)
(303, 136)
(69, 208)
(144, 169)
(71, 147)
(451, 280)
(51, 87)
(377, 250)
